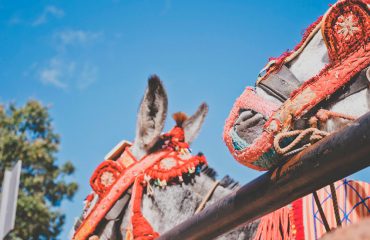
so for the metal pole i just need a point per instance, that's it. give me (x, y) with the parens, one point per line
(336, 156)
(9, 195)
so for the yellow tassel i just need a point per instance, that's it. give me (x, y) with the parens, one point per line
(129, 235)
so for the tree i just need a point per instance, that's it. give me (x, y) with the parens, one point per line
(26, 133)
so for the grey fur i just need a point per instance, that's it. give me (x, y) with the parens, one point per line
(151, 117)
(174, 204)
(193, 124)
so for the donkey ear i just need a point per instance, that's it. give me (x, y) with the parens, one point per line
(152, 114)
(193, 124)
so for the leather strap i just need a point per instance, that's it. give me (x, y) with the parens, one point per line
(280, 84)
(357, 84)
(283, 83)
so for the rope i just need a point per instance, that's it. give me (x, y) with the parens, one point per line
(316, 135)
(321, 211)
(335, 204)
(293, 152)
(322, 115)
(207, 197)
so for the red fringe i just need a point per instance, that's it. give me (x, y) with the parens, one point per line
(181, 168)
(279, 61)
(275, 226)
(307, 32)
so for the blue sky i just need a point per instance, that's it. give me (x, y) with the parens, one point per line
(89, 61)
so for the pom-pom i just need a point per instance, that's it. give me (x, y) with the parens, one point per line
(180, 118)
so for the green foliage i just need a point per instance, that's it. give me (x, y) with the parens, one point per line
(26, 133)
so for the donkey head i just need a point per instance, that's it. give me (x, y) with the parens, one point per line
(327, 69)
(153, 157)
(151, 120)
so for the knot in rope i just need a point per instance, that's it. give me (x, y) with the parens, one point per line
(315, 133)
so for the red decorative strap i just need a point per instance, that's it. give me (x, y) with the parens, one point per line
(112, 178)
(114, 193)
(139, 228)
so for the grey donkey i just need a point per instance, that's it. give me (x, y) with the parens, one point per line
(169, 206)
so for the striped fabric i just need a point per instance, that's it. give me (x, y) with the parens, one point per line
(301, 220)
(353, 201)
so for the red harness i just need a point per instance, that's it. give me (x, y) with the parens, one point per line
(112, 178)
(346, 30)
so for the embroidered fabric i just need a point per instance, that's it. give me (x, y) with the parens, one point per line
(170, 165)
(345, 28)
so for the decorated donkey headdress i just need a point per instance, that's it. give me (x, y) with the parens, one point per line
(152, 159)
(345, 29)
(296, 96)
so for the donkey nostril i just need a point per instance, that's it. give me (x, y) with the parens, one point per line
(248, 126)
(253, 121)
(243, 116)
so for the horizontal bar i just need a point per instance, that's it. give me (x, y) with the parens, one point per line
(333, 158)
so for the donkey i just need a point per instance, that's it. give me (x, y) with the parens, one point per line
(286, 100)
(165, 206)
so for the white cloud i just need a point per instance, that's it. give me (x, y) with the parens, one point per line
(54, 74)
(64, 71)
(49, 11)
(64, 74)
(71, 37)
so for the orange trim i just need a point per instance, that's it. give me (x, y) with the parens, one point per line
(123, 183)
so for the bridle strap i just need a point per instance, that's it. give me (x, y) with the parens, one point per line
(357, 84)
(280, 84)
(207, 197)
(114, 193)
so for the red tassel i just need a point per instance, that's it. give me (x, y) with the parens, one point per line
(141, 228)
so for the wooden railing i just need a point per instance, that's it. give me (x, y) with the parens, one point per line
(336, 156)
